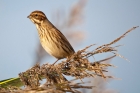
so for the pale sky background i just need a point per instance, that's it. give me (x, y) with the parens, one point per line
(105, 20)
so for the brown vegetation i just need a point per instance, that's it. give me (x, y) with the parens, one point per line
(77, 66)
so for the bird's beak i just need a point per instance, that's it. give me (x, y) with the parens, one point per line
(29, 16)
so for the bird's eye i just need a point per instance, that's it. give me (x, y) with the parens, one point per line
(36, 14)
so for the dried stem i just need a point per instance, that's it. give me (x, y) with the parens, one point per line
(77, 66)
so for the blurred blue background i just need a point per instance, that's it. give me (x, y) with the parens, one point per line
(104, 21)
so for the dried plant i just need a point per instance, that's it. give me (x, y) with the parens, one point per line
(77, 66)
(100, 83)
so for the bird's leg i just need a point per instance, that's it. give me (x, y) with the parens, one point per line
(55, 62)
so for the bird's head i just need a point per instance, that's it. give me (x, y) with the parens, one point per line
(37, 17)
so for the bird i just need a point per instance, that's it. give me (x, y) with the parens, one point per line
(51, 39)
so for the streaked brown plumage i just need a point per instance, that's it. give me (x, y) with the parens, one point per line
(51, 39)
